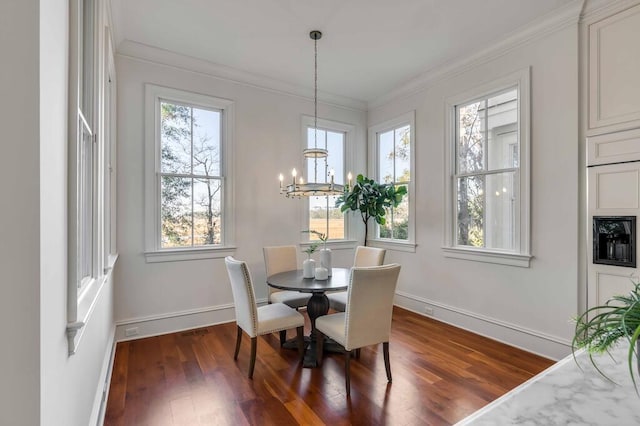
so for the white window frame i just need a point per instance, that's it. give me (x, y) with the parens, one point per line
(153, 252)
(349, 130)
(521, 256)
(90, 196)
(409, 119)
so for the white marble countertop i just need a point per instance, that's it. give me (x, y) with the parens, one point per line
(569, 393)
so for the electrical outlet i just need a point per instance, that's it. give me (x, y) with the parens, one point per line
(133, 331)
(428, 310)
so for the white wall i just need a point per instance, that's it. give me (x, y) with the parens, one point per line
(19, 215)
(40, 383)
(70, 386)
(527, 307)
(267, 141)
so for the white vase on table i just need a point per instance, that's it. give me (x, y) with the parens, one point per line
(322, 273)
(325, 259)
(308, 268)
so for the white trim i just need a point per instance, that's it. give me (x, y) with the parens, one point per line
(176, 255)
(555, 20)
(102, 392)
(397, 245)
(153, 252)
(408, 118)
(534, 341)
(521, 79)
(145, 53)
(172, 322)
(488, 256)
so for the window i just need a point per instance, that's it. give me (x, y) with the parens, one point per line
(391, 144)
(188, 195)
(91, 164)
(323, 215)
(489, 183)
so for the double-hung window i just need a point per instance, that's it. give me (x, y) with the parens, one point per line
(91, 165)
(187, 175)
(488, 174)
(391, 144)
(322, 215)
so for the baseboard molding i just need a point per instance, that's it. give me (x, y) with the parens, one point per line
(172, 322)
(102, 392)
(543, 344)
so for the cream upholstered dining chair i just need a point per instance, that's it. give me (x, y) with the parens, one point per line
(365, 256)
(365, 323)
(258, 320)
(281, 259)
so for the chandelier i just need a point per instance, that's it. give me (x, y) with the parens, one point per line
(297, 187)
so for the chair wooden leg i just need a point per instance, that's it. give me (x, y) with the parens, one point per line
(358, 353)
(319, 346)
(238, 340)
(347, 371)
(300, 338)
(387, 364)
(283, 337)
(252, 361)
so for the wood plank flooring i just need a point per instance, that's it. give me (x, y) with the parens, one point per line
(441, 374)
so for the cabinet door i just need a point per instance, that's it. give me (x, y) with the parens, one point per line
(614, 71)
(613, 190)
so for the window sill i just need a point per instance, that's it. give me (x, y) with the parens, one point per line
(487, 256)
(333, 245)
(396, 245)
(178, 255)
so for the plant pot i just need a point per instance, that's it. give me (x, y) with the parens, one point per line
(325, 259)
(308, 268)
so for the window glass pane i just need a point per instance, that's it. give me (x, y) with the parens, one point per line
(175, 211)
(500, 202)
(206, 142)
(335, 159)
(502, 126)
(207, 211)
(385, 156)
(175, 138)
(85, 203)
(319, 206)
(470, 221)
(402, 154)
(471, 137)
(396, 221)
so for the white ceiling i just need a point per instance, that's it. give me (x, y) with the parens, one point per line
(368, 48)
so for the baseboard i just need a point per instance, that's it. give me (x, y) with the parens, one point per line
(533, 341)
(102, 391)
(172, 322)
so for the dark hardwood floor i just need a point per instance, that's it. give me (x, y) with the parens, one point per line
(441, 374)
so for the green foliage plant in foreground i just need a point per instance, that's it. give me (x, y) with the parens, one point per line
(601, 327)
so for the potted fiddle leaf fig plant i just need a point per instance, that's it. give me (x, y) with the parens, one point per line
(371, 199)
(601, 327)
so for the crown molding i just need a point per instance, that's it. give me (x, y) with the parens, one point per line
(595, 10)
(146, 53)
(555, 20)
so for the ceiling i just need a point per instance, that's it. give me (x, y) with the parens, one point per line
(368, 48)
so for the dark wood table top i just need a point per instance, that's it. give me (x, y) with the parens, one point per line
(293, 280)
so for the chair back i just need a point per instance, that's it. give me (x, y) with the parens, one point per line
(279, 259)
(370, 305)
(244, 297)
(369, 256)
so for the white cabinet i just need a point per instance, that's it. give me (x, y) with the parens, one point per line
(614, 190)
(614, 72)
